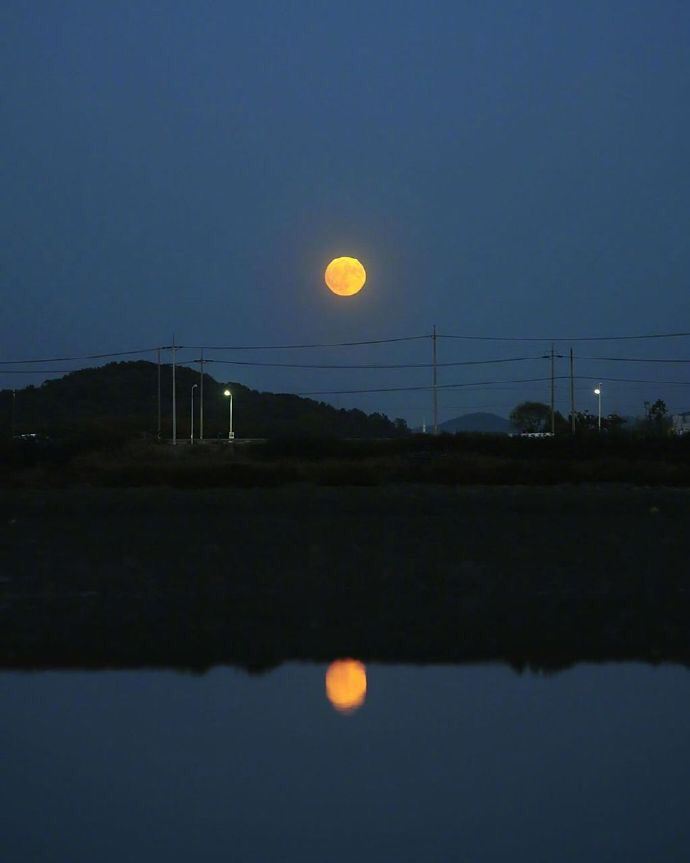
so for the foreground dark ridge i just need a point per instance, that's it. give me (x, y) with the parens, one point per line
(544, 577)
(83, 460)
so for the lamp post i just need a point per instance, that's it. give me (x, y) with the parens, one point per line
(191, 417)
(597, 393)
(231, 433)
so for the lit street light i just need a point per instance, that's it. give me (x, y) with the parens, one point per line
(597, 393)
(191, 417)
(231, 433)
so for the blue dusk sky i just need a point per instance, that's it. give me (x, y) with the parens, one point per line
(500, 168)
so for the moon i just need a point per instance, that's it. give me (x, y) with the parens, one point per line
(346, 684)
(345, 276)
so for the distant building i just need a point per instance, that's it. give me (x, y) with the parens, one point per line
(681, 423)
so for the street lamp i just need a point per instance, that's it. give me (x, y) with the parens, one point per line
(231, 433)
(191, 417)
(597, 393)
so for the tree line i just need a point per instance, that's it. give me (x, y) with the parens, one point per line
(532, 417)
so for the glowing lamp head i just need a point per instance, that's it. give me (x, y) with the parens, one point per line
(597, 392)
(227, 393)
(345, 276)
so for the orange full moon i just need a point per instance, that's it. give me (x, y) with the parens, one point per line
(346, 684)
(345, 276)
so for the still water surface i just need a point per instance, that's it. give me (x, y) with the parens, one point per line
(438, 763)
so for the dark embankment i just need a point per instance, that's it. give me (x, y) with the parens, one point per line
(544, 577)
(463, 459)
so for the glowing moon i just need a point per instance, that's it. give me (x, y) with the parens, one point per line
(345, 276)
(346, 684)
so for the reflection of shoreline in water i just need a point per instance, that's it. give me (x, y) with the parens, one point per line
(547, 632)
(346, 684)
(188, 580)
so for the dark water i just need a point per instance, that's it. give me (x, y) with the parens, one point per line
(444, 763)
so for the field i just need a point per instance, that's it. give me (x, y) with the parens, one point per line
(542, 576)
(464, 459)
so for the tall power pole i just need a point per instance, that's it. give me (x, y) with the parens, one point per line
(572, 392)
(435, 392)
(174, 403)
(553, 414)
(201, 396)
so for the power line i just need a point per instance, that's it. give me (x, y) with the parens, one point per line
(488, 383)
(631, 380)
(362, 366)
(440, 336)
(635, 359)
(563, 338)
(429, 387)
(74, 359)
(309, 345)
(38, 371)
(409, 388)
(349, 344)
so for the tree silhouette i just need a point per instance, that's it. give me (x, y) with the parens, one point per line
(531, 417)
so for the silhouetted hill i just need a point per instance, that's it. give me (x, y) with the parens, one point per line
(122, 398)
(477, 422)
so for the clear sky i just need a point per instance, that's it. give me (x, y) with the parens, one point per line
(501, 168)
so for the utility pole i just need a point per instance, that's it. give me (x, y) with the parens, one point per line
(174, 404)
(158, 433)
(14, 399)
(553, 415)
(435, 392)
(201, 396)
(572, 392)
(191, 418)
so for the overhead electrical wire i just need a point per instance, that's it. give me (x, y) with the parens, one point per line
(361, 366)
(426, 387)
(562, 338)
(438, 336)
(258, 363)
(634, 360)
(308, 345)
(38, 371)
(485, 384)
(75, 359)
(375, 367)
(630, 380)
(355, 343)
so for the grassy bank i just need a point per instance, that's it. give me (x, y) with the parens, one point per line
(450, 460)
(543, 576)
